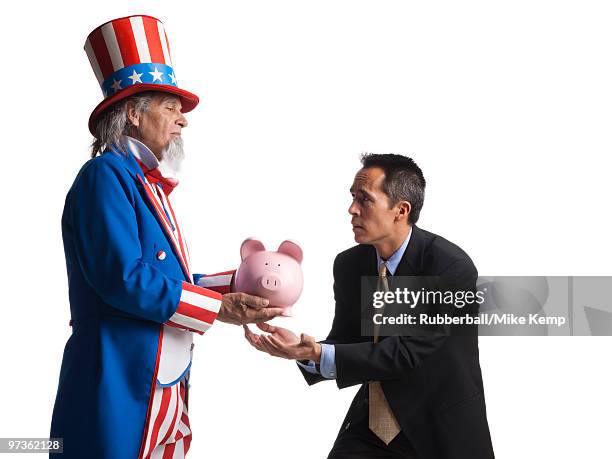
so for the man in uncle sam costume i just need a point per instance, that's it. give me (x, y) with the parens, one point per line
(123, 387)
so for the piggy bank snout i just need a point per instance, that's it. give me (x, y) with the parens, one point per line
(270, 281)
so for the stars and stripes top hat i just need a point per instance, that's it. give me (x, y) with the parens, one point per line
(131, 55)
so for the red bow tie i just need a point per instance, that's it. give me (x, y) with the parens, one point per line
(167, 184)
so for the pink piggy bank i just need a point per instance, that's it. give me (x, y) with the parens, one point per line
(276, 276)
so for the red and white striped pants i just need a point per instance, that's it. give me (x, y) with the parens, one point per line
(168, 433)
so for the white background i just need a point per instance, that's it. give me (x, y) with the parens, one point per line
(507, 108)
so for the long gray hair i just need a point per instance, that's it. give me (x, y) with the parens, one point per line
(114, 122)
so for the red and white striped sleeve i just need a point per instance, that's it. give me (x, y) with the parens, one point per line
(219, 282)
(197, 309)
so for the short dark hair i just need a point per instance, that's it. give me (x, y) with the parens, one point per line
(404, 180)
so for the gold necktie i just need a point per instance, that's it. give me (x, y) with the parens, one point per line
(381, 419)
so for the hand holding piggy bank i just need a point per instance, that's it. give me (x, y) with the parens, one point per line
(276, 276)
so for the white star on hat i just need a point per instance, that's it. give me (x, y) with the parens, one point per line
(135, 77)
(116, 85)
(156, 74)
(172, 77)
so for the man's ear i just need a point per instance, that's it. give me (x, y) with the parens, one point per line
(132, 114)
(403, 210)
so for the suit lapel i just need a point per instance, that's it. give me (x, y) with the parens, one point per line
(175, 238)
(368, 279)
(412, 260)
(370, 261)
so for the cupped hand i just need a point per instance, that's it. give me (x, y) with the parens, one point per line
(283, 343)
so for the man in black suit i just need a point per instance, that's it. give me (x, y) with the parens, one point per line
(421, 396)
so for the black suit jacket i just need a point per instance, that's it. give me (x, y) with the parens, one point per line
(433, 384)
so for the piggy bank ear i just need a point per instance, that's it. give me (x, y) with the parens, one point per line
(292, 249)
(250, 246)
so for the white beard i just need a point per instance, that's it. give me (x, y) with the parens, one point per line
(172, 156)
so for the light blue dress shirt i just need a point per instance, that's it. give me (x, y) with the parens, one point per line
(328, 351)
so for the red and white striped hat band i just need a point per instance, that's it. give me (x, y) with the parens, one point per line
(130, 51)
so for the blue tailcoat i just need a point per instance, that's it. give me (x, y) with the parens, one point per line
(120, 294)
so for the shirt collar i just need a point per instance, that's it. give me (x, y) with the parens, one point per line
(141, 152)
(394, 259)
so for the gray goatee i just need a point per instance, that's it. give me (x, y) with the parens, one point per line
(172, 155)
